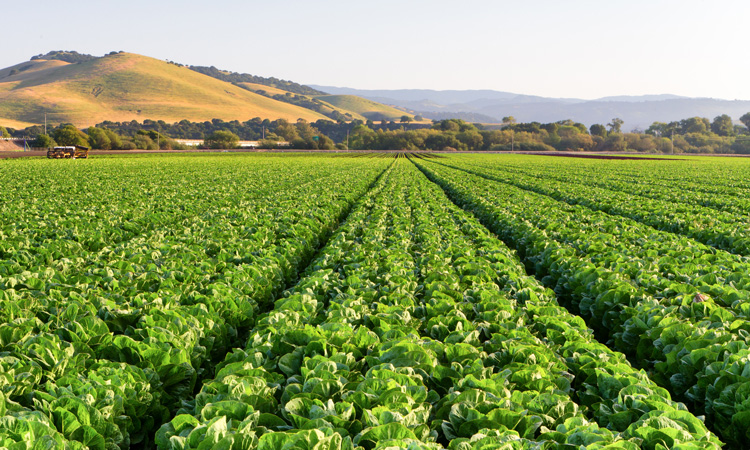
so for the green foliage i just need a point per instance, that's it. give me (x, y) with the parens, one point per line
(103, 367)
(722, 125)
(69, 135)
(222, 139)
(142, 142)
(741, 145)
(564, 135)
(342, 302)
(99, 139)
(745, 119)
(669, 299)
(402, 333)
(694, 125)
(454, 125)
(43, 141)
(4, 133)
(615, 127)
(67, 56)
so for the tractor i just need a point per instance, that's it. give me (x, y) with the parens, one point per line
(74, 152)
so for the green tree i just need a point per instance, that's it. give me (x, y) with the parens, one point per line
(361, 137)
(306, 131)
(615, 127)
(614, 143)
(114, 140)
(598, 129)
(663, 145)
(161, 141)
(4, 133)
(577, 142)
(443, 141)
(144, 142)
(640, 142)
(657, 129)
(694, 125)
(492, 138)
(552, 138)
(127, 144)
(99, 139)
(406, 119)
(455, 125)
(222, 139)
(286, 130)
(268, 143)
(661, 129)
(745, 119)
(722, 125)
(69, 135)
(325, 143)
(471, 138)
(43, 141)
(741, 145)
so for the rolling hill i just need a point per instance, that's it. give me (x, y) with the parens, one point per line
(306, 101)
(125, 86)
(363, 107)
(352, 106)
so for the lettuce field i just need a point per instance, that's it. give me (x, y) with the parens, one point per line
(463, 302)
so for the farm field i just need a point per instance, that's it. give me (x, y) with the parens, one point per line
(243, 301)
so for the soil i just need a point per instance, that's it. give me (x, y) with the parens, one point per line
(9, 146)
(590, 156)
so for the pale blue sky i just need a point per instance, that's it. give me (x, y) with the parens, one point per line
(575, 48)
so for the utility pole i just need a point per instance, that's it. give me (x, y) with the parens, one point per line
(347, 139)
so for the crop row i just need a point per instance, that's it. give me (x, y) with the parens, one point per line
(74, 212)
(228, 231)
(647, 182)
(99, 357)
(663, 264)
(415, 327)
(726, 230)
(669, 303)
(692, 173)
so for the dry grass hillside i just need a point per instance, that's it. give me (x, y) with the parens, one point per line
(126, 86)
(363, 107)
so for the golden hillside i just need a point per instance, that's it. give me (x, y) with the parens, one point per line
(125, 86)
(364, 107)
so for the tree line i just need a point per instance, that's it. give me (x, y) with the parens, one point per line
(239, 78)
(100, 138)
(155, 135)
(691, 135)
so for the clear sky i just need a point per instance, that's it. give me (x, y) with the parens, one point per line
(575, 48)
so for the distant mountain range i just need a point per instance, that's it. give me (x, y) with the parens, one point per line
(638, 112)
